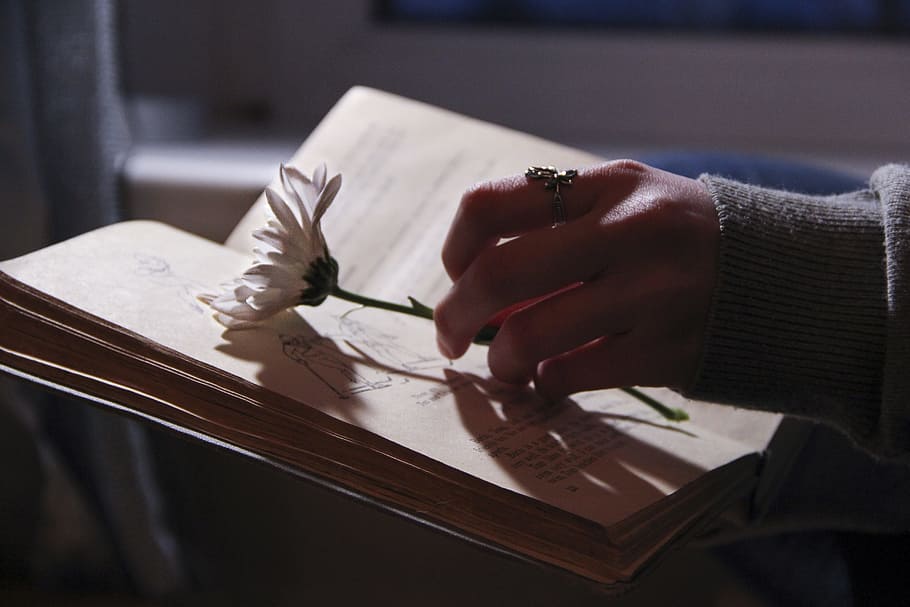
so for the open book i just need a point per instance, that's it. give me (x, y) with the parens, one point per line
(598, 485)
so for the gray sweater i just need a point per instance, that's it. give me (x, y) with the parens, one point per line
(811, 312)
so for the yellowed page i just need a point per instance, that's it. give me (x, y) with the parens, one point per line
(602, 455)
(404, 166)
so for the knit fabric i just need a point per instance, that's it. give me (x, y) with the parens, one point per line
(811, 311)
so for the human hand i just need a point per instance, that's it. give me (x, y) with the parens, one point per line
(640, 247)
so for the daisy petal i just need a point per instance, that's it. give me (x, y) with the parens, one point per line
(267, 275)
(326, 197)
(306, 190)
(236, 309)
(274, 299)
(319, 177)
(269, 237)
(285, 216)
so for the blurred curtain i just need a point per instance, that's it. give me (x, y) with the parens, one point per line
(98, 521)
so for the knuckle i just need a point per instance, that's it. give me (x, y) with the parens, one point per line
(477, 200)
(628, 167)
(483, 199)
(619, 179)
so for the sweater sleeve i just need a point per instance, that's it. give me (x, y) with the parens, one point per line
(811, 311)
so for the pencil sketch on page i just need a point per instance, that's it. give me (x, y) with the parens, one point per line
(357, 357)
(157, 270)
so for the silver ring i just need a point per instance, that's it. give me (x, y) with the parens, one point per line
(554, 178)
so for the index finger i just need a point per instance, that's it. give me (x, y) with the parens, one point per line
(515, 205)
(492, 210)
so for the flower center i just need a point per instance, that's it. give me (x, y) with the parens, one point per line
(322, 276)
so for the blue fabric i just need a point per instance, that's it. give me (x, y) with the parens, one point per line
(810, 15)
(765, 171)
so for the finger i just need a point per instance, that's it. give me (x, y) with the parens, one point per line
(605, 306)
(509, 207)
(530, 266)
(632, 359)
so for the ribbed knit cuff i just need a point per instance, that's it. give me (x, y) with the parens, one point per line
(797, 324)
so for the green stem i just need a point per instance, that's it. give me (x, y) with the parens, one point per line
(673, 414)
(485, 337)
(415, 309)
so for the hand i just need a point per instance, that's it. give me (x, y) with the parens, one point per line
(641, 246)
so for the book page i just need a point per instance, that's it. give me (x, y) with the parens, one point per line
(404, 167)
(602, 455)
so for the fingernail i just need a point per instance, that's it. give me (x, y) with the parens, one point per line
(443, 348)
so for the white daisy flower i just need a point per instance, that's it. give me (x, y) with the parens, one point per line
(293, 265)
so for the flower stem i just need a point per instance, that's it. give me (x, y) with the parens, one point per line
(674, 414)
(415, 309)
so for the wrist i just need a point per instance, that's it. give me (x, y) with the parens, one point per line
(797, 317)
